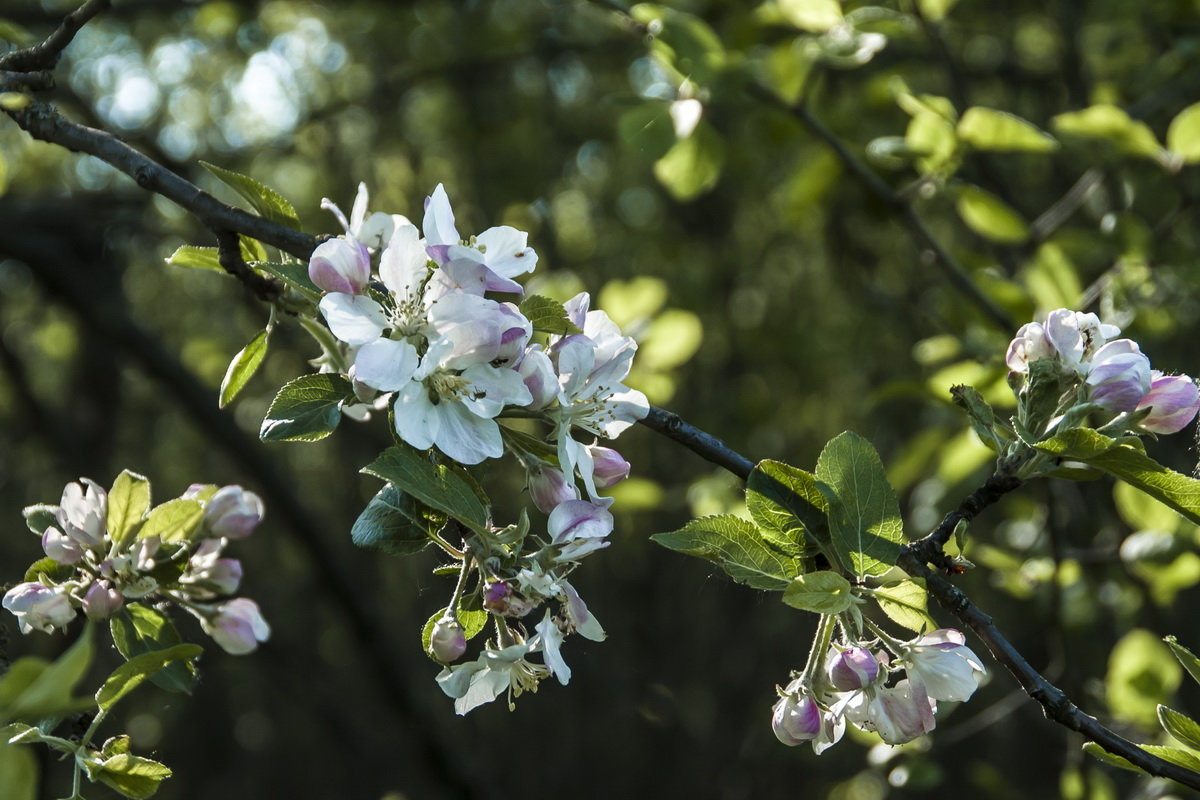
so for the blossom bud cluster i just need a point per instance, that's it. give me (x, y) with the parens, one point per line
(1112, 373)
(864, 688)
(90, 571)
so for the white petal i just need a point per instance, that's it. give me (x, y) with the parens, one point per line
(439, 219)
(355, 319)
(386, 364)
(417, 420)
(507, 251)
(493, 388)
(552, 639)
(403, 264)
(466, 438)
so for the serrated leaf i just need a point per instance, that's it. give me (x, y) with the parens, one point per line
(1111, 124)
(173, 521)
(242, 367)
(18, 772)
(252, 250)
(990, 217)
(137, 630)
(294, 275)
(1181, 726)
(906, 603)
(46, 689)
(1175, 755)
(819, 592)
(547, 315)
(1183, 135)
(864, 515)
(194, 257)
(737, 547)
(128, 502)
(134, 672)
(396, 524)
(787, 506)
(436, 485)
(265, 200)
(989, 129)
(693, 165)
(1185, 657)
(307, 409)
(133, 776)
(1123, 460)
(473, 622)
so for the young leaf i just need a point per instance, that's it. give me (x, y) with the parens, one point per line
(251, 250)
(136, 670)
(266, 201)
(906, 603)
(1185, 657)
(39, 517)
(990, 217)
(173, 521)
(864, 515)
(307, 409)
(294, 275)
(693, 166)
(137, 630)
(1111, 124)
(737, 547)
(1181, 726)
(547, 315)
(396, 524)
(133, 776)
(128, 502)
(991, 430)
(18, 772)
(988, 129)
(45, 690)
(196, 258)
(819, 592)
(242, 367)
(1100, 754)
(436, 485)
(50, 568)
(473, 622)
(1183, 135)
(787, 506)
(816, 16)
(1123, 460)
(1176, 755)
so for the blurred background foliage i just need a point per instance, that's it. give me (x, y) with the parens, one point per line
(778, 303)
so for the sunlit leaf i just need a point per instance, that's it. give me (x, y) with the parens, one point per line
(242, 367)
(990, 217)
(736, 546)
(819, 592)
(864, 514)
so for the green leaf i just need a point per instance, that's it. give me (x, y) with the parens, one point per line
(396, 524)
(932, 136)
(819, 592)
(1123, 460)
(473, 622)
(133, 776)
(684, 42)
(1100, 754)
(647, 129)
(1175, 755)
(436, 485)
(1111, 124)
(50, 568)
(46, 690)
(864, 515)
(1185, 657)
(816, 16)
(294, 275)
(693, 166)
(252, 250)
(173, 521)
(547, 315)
(936, 10)
(16, 681)
(307, 409)
(988, 129)
(1141, 675)
(737, 547)
(190, 255)
(138, 630)
(128, 502)
(18, 772)
(1181, 726)
(39, 517)
(990, 217)
(265, 200)
(529, 448)
(115, 745)
(134, 672)
(242, 367)
(1183, 135)
(787, 506)
(906, 603)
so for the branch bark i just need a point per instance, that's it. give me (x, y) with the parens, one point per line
(46, 53)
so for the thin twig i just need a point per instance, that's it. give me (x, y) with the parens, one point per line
(229, 254)
(703, 444)
(45, 54)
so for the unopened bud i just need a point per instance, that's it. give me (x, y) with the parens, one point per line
(233, 512)
(610, 468)
(548, 488)
(796, 720)
(447, 642)
(102, 601)
(852, 669)
(340, 265)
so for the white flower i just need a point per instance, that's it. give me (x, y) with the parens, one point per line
(948, 669)
(237, 626)
(233, 512)
(503, 252)
(82, 513)
(551, 642)
(39, 607)
(898, 713)
(375, 230)
(580, 527)
(494, 673)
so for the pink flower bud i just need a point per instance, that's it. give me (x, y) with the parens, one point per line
(1173, 400)
(39, 607)
(102, 601)
(1119, 376)
(548, 488)
(852, 669)
(233, 512)
(609, 467)
(340, 265)
(499, 598)
(238, 626)
(796, 719)
(447, 642)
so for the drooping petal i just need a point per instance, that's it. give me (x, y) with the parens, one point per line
(386, 364)
(354, 319)
(552, 639)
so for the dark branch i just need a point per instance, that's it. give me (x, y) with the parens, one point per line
(229, 253)
(704, 445)
(25, 81)
(45, 55)
(929, 549)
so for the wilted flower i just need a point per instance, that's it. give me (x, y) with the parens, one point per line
(39, 607)
(1173, 401)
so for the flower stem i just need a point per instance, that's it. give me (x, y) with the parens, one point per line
(816, 656)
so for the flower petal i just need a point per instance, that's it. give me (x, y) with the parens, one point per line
(386, 364)
(354, 319)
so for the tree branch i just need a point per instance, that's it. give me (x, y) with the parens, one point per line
(703, 444)
(229, 254)
(45, 54)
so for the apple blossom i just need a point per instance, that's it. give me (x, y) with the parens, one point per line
(1119, 376)
(796, 719)
(944, 665)
(447, 641)
(237, 626)
(39, 607)
(102, 601)
(1173, 401)
(851, 669)
(549, 488)
(233, 512)
(340, 265)
(608, 467)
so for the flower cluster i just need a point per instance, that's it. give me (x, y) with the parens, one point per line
(864, 688)
(429, 325)
(100, 557)
(1110, 373)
